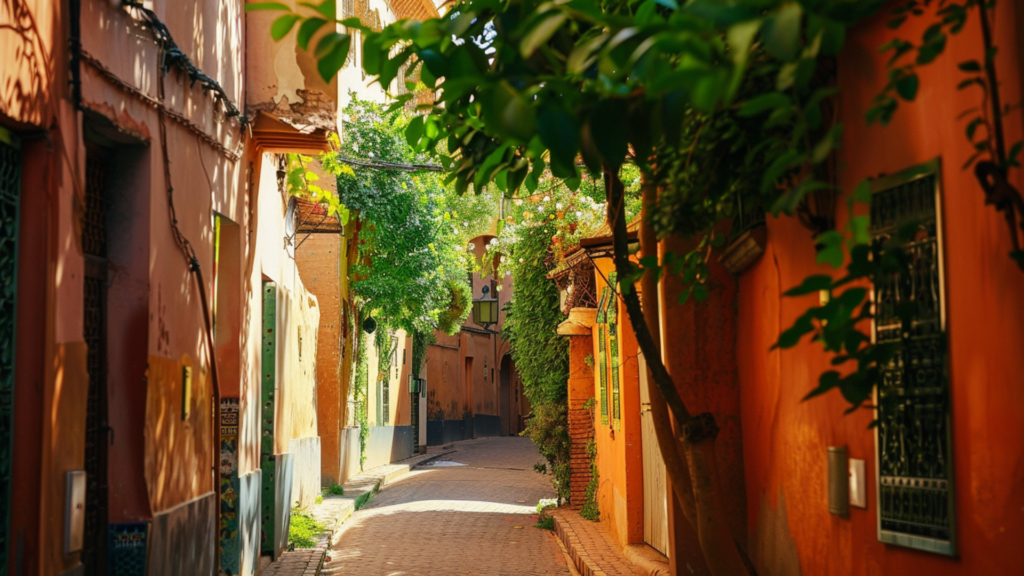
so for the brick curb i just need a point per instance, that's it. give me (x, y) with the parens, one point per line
(595, 554)
(336, 510)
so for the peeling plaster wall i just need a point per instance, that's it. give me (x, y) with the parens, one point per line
(298, 315)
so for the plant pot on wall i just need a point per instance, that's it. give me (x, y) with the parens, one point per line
(742, 252)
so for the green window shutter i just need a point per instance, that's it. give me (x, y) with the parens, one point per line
(268, 379)
(602, 329)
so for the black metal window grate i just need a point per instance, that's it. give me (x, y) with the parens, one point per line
(94, 244)
(10, 192)
(914, 455)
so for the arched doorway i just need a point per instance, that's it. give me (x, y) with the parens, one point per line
(505, 397)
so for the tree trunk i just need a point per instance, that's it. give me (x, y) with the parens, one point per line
(698, 432)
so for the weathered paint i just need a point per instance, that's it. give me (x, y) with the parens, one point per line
(182, 539)
(179, 455)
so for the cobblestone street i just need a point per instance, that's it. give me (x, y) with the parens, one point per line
(446, 519)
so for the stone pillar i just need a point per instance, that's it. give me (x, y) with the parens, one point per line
(581, 389)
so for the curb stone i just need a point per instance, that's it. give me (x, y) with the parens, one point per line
(335, 510)
(594, 553)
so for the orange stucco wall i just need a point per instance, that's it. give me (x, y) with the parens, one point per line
(619, 453)
(785, 440)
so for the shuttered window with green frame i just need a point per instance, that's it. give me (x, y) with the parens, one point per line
(602, 327)
(611, 316)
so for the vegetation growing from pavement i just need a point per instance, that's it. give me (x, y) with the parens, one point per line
(548, 428)
(360, 387)
(304, 530)
(335, 490)
(590, 511)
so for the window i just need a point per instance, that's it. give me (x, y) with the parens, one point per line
(602, 377)
(913, 436)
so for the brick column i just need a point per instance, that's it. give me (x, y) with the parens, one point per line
(581, 389)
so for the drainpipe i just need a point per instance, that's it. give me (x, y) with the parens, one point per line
(75, 60)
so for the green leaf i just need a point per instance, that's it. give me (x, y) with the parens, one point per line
(414, 131)
(931, 49)
(811, 285)
(328, 8)
(608, 130)
(826, 382)
(860, 226)
(831, 251)
(972, 127)
(763, 103)
(283, 25)
(782, 32)
(334, 58)
(782, 164)
(267, 6)
(862, 193)
(541, 33)
(560, 132)
(791, 336)
(907, 86)
(700, 292)
(306, 31)
(1014, 153)
(969, 66)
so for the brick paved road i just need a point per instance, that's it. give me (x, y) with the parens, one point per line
(455, 520)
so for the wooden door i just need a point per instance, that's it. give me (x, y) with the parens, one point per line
(655, 482)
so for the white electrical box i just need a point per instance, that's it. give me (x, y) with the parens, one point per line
(858, 487)
(74, 529)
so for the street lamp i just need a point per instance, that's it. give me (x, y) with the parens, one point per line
(485, 310)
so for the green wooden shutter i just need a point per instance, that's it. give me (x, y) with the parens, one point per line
(269, 377)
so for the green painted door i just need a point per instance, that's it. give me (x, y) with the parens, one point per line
(268, 379)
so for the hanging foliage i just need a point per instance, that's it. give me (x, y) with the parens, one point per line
(411, 269)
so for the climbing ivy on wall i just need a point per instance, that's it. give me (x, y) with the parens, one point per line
(360, 396)
(411, 270)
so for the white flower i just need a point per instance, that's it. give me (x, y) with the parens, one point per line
(558, 206)
(540, 208)
(547, 199)
(579, 214)
(502, 260)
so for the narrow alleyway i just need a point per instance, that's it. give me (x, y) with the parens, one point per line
(447, 519)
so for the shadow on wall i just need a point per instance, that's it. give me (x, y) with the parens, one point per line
(182, 539)
(387, 444)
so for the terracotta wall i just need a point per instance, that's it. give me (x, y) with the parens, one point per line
(446, 395)
(318, 263)
(28, 85)
(398, 381)
(785, 440)
(619, 453)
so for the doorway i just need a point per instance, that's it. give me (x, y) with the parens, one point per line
(505, 396)
(655, 484)
(94, 247)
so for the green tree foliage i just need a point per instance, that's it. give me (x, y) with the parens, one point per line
(549, 430)
(411, 270)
